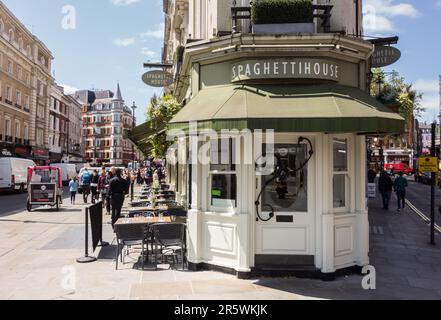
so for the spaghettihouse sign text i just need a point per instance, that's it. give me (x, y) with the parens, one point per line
(285, 69)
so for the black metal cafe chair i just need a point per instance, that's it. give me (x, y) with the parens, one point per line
(141, 213)
(167, 202)
(167, 197)
(127, 236)
(178, 212)
(170, 238)
(168, 193)
(141, 204)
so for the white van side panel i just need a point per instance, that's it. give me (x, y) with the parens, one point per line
(17, 167)
(20, 170)
(5, 173)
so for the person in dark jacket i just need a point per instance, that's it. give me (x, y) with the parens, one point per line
(400, 186)
(372, 174)
(117, 192)
(94, 186)
(385, 185)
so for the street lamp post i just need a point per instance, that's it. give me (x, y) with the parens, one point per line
(133, 126)
(133, 152)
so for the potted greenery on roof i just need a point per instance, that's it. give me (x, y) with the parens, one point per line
(282, 16)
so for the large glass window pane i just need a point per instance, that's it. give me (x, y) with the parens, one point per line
(223, 155)
(339, 191)
(340, 155)
(224, 190)
(286, 189)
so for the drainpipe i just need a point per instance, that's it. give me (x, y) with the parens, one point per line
(357, 18)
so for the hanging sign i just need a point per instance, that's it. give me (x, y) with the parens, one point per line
(428, 164)
(157, 78)
(302, 68)
(384, 56)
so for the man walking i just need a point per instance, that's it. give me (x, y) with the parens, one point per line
(400, 186)
(117, 191)
(385, 185)
(85, 184)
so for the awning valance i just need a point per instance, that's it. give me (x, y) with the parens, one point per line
(329, 108)
(140, 136)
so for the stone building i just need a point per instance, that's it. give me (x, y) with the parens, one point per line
(307, 92)
(58, 125)
(75, 148)
(25, 82)
(105, 119)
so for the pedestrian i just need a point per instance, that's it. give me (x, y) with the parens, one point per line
(149, 176)
(117, 191)
(85, 184)
(73, 188)
(372, 174)
(139, 178)
(400, 186)
(385, 185)
(102, 185)
(94, 186)
(108, 201)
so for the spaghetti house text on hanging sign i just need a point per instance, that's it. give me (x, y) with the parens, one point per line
(285, 69)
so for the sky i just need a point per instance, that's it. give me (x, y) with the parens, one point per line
(101, 42)
(107, 42)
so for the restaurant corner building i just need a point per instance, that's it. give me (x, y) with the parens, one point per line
(310, 216)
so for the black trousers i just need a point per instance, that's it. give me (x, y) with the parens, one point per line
(401, 195)
(117, 203)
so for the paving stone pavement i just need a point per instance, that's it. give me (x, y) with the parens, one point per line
(38, 252)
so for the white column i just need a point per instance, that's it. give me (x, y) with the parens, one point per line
(321, 198)
(247, 177)
(328, 265)
(191, 19)
(362, 219)
(195, 216)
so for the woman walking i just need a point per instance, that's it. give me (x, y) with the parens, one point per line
(73, 188)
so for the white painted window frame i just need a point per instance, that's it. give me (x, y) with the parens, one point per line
(349, 174)
(207, 185)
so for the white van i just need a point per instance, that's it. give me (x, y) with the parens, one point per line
(14, 173)
(68, 171)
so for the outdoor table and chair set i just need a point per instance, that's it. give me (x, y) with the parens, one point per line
(159, 228)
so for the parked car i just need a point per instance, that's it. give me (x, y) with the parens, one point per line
(398, 167)
(425, 178)
(13, 174)
(69, 171)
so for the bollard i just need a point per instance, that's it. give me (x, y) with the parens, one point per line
(86, 258)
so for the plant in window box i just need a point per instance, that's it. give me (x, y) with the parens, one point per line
(282, 16)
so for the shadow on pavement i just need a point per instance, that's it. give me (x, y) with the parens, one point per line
(107, 253)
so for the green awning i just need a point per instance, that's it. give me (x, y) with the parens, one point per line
(326, 108)
(141, 134)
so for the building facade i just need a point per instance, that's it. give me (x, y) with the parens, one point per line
(25, 82)
(58, 125)
(299, 99)
(105, 119)
(75, 138)
(65, 127)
